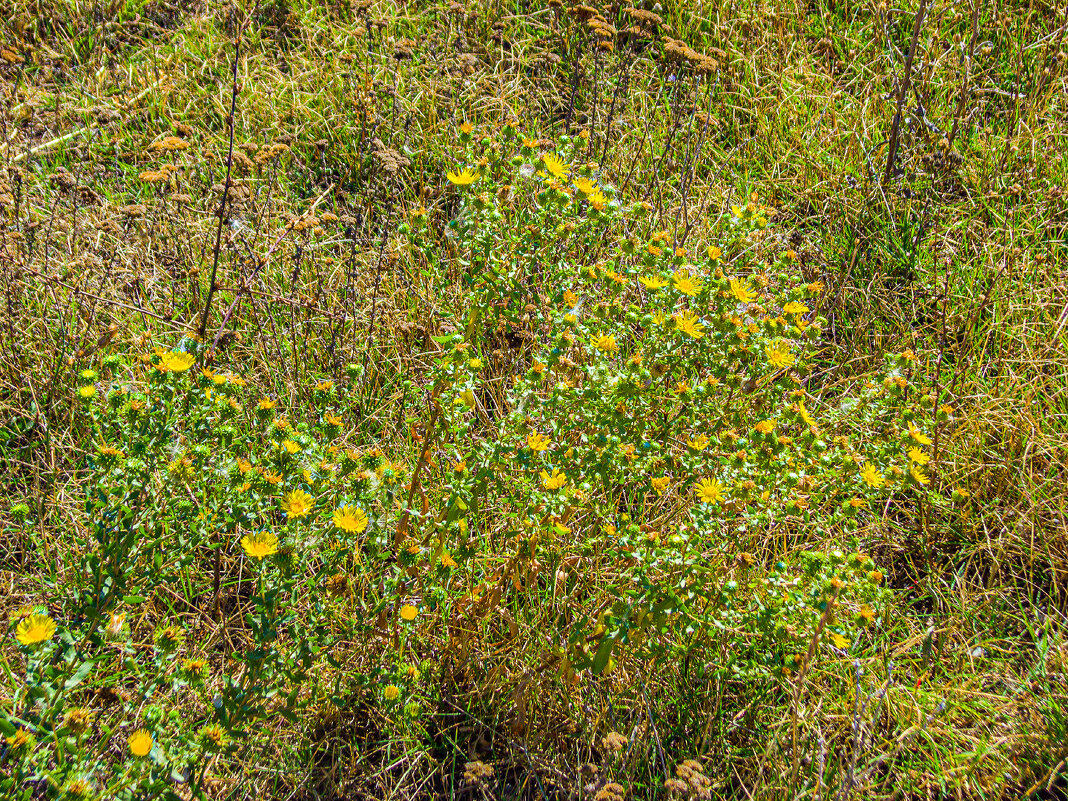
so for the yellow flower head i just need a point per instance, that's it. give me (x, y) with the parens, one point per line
(606, 343)
(919, 476)
(685, 283)
(765, 426)
(838, 640)
(555, 167)
(699, 443)
(350, 519)
(35, 629)
(447, 560)
(554, 481)
(872, 477)
(266, 404)
(409, 612)
(688, 323)
(584, 185)
(297, 503)
(260, 545)
(918, 436)
(793, 307)
(661, 484)
(709, 491)
(653, 282)
(741, 291)
(175, 361)
(801, 410)
(919, 456)
(538, 442)
(465, 177)
(140, 743)
(391, 692)
(290, 447)
(779, 355)
(597, 199)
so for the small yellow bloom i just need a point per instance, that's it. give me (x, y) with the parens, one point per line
(919, 476)
(584, 185)
(699, 443)
(793, 307)
(290, 447)
(350, 519)
(140, 743)
(661, 484)
(297, 504)
(554, 481)
(35, 629)
(260, 545)
(266, 404)
(779, 356)
(653, 282)
(465, 177)
(175, 361)
(838, 640)
(741, 291)
(710, 491)
(685, 283)
(765, 426)
(391, 692)
(409, 612)
(605, 343)
(87, 391)
(918, 436)
(538, 442)
(688, 323)
(555, 167)
(872, 477)
(919, 456)
(447, 560)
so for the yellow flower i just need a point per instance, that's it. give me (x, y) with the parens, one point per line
(597, 199)
(87, 391)
(266, 404)
(447, 560)
(140, 743)
(687, 323)
(872, 477)
(290, 447)
(350, 519)
(466, 128)
(35, 629)
(605, 343)
(685, 283)
(537, 442)
(919, 476)
(765, 426)
(779, 355)
(709, 491)
(838, 640)
(741, 291)
(409, 612)
(919, 456)
(260, 545)
(867, 614)
(918, 436)
(297, 503)
(653, 283)
(554, 481)
(332, 419)
(699, 443)
(554, 166)
(793, 307)
(391, 692)
(801, 410)
(570, 299)
(661, 484)
(465, 177)
(175, 361)
(584, 185)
